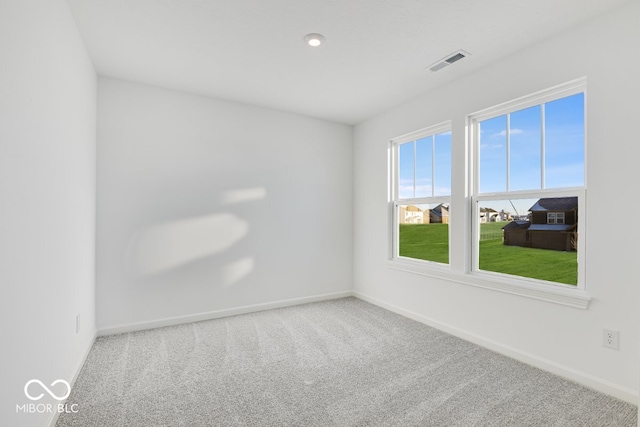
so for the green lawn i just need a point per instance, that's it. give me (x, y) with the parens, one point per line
(425, 241)
(492, 227)
(543, 264)
(430, 242)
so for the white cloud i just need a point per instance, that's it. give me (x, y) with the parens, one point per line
(406, 191)
(513, 131)
(490, 146)
(442, 191)
(423, 190)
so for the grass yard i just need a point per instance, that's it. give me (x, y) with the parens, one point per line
(543, 264)
(431, 242)
(492, 227)
(425, 241)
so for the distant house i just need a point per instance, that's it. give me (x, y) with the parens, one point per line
(553, 225)
(485, 215)
(413, 215)
(503, 216)
(491, 215)
(439, 214)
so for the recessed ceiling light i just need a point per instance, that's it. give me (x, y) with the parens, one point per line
(314, 39)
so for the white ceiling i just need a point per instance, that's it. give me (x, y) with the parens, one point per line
(252, 51)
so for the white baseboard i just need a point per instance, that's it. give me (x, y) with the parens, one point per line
(74, 376)
(598, 384)
(170, 321)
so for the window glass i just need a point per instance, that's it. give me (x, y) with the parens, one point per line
(525, 149)
(406, 156)
(423, 232)
(564, 142)
(424, 166)
(493, 154)
(442, 164)
(518, 237)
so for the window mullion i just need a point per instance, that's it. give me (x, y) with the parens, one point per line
(542, 146)
(508, 151)
(415, 155)
(433, 166)
(475, 175)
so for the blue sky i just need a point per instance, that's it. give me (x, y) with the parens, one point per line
(563, 162)
(564, 147)
(433, 167)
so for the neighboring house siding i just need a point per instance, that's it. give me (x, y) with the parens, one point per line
(539, 234)
(559, 241)
(439, 215)
(516, 238)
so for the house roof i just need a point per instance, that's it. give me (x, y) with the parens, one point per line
(517, 225)
(438, 209)
(412, 208)
(551, 227)
(526, 225)
(555, 204)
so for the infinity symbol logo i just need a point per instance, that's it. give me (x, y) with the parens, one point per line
(52, 394)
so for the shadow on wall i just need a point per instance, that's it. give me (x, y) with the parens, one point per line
(170, 245)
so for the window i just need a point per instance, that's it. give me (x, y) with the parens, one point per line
(513, 219)
(421, 190)
(528, 187)
(555, 218)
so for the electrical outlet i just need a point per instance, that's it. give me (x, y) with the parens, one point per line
(611, 339)
(77, 323)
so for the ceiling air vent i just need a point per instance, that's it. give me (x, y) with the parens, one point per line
(448, 60)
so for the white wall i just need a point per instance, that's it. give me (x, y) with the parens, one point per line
(207, 205)
(47, 201)
(606, 52)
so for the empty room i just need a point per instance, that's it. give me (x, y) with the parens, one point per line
(319, 213)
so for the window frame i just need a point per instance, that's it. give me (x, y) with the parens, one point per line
(395, 201)
(557, 92)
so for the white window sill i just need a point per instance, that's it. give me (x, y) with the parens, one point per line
(557, 294)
